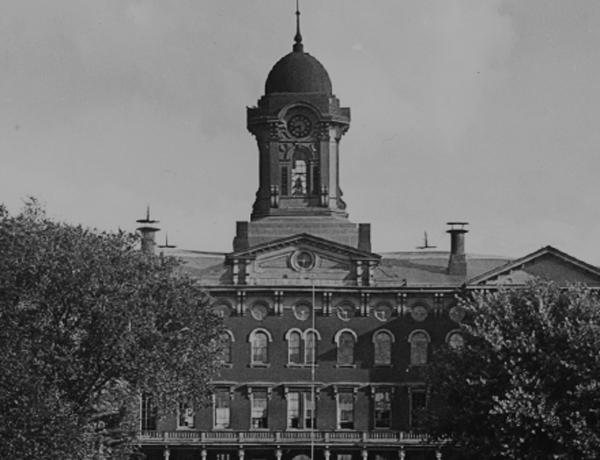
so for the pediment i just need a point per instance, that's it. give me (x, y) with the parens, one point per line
(548, 263)
(303, 259)
(305, 239)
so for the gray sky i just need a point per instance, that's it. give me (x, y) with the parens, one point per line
(482, 110)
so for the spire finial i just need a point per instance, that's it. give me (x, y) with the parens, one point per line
(298, 38)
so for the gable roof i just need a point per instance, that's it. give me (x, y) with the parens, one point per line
(306, 238)
(507, 268)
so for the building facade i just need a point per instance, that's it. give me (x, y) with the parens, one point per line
(325, 339)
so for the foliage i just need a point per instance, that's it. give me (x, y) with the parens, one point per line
(87, 324)
(527, 382)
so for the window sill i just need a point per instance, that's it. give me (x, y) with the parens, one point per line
(227, 365)
(347, 366)
(259, 365)
(301, 366)
(384, 366)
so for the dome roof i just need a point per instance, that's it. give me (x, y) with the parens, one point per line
(298, 72)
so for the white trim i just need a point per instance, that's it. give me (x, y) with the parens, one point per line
(230, 334)
(336, 337)
(286, 336)
(416, 331)
(383, 331)
(260, 329)
(310, 329)
(451, 333)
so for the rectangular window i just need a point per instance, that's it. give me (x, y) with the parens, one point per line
(284, 181)
(418, 404)
(346, 410)
(310, 350)
(186, 417)
(148, 413)
(294, 348)
(383, 409)
(315, 180)
(222, 409)
(301, 409)
(259, 409)
(309, 410)
(293, 404)
(299, 178)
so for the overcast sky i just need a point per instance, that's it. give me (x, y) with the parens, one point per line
(478, 110)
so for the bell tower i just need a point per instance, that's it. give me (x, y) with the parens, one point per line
(298, 124)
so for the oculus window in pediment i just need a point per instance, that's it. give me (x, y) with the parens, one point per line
(303, 260)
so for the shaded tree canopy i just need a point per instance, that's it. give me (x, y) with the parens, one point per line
(87, 324)
(526, 384)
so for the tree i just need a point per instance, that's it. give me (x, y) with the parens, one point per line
(87, 324)
(526, 383)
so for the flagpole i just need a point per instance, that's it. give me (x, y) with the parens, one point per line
(312, 376)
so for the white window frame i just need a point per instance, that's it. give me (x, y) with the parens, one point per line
(413, 354)
(253, 393)
(392, 341)
(251, 338)
(190, 417)
(214, 408)
(352, 393)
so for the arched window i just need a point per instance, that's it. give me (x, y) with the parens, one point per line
(259, 342)
(299, 173)
(294, 343)
(302, 346)
(226, 342)
(455, 340)
(419, 344)
(310, 347)
(382, 347)
(345, 340)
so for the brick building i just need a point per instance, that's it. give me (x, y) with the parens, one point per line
(325, 338)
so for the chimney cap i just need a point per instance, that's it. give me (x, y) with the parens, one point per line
(457, 227)
(147, 219)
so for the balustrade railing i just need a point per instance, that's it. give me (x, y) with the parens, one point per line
(289, 437)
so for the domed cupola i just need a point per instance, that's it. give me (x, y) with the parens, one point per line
(298, 72)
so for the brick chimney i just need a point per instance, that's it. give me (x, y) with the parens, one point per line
(457, 263)
(364, 237)
(147, 231)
